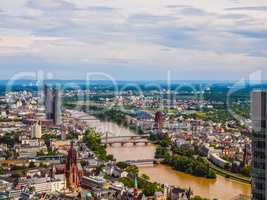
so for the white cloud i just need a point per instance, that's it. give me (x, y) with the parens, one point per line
(189, 35)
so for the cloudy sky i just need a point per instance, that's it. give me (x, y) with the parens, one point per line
(134, 39)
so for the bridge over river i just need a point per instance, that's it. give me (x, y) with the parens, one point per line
(144, 162)
(125, 139)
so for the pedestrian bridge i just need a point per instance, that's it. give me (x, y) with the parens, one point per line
(144, 162)
(141, 163)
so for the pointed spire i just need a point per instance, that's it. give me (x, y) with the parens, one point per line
(135, 188)
(135, 183)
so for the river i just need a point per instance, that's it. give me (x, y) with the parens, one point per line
(221, 188)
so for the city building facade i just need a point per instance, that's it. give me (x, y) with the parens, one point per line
(259, 120)
(52, 102)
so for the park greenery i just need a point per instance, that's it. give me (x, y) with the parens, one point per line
(161, 140)
(2, 171)
(198, 198)
(10, 139)
(93, 141)
(194, 165)
(113, 115)
(215, 115)
(246, 170)
(48, 137)
(162, 152)
(72, 136)
(191, 165)
(147, 187)
(187, 159)
(184, 159)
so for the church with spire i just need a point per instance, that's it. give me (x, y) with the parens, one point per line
(72, 174)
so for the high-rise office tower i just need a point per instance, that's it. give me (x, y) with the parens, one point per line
(57, 106)
(48, 101)
(52, 99)
(259, 139)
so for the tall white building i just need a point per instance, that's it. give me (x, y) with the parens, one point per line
(36, 131)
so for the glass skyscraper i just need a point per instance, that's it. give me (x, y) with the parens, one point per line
(259, 122)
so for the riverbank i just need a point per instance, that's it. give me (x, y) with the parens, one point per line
(220, 188)
(227, 174)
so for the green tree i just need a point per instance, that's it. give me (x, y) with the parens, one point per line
(132, 169)
(110, 157)
(165, 142)
(150, 189)
(2, 171)
(246, 170)
(93, 141)
(161, 152)
(32, 165)
(127, 182)
(145, 177)
(72, 136)
(10, 139)
(18, 174)
(198, 198)
(122, 165)
(191, 165)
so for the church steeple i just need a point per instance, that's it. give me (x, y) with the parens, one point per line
(72, 169)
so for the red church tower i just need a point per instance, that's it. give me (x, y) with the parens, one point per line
(72, 169)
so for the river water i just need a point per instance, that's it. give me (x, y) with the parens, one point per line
(221, 188)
